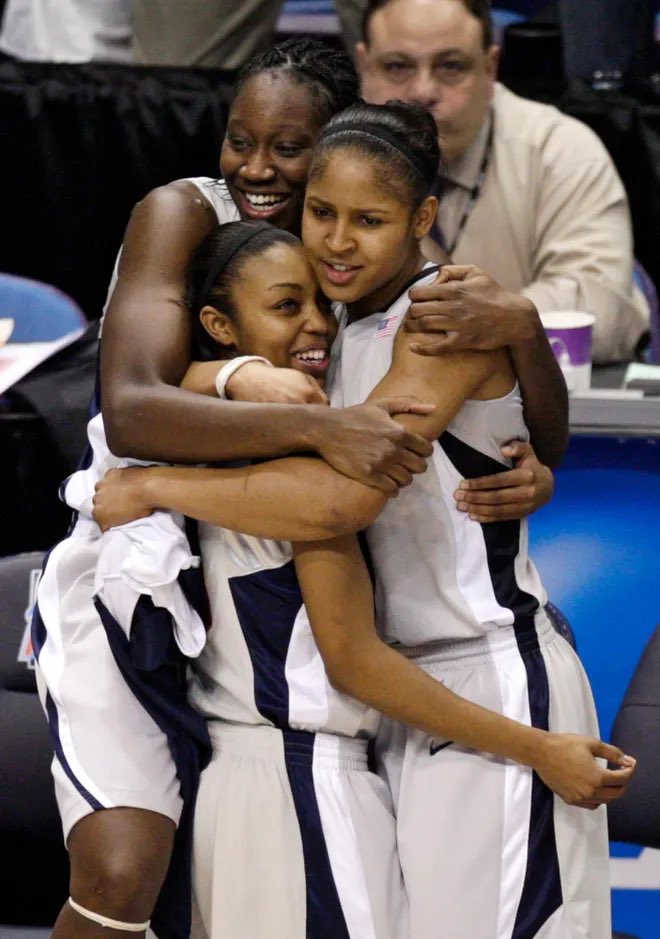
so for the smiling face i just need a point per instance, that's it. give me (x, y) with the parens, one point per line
(361, 236)
(280, 312)
(431, 52)
(273, 124)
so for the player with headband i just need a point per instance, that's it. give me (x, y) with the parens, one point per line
(462, 601)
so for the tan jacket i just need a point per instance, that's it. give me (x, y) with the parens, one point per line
(552, 221)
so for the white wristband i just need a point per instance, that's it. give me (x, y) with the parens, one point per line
(232, 366)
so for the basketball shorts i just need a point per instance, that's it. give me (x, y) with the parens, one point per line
(487, 851)
(294, 839)
(108, 751)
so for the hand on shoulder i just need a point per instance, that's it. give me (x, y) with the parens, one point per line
(466, 309)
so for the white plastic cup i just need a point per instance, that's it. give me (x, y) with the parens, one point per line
(570, 335)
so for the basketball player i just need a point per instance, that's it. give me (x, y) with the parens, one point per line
(120, 804)
(473, 615)
(119, 840)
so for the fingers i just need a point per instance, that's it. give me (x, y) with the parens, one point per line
(438, 308)
(448, 273)
(414, 463)
(429, 318)
(607, 794)
(432, 346)
(416, 444)
(517, 495)
(608, 752)
(511, 512)
(404, 404)
(501, 497)
(517, 450)
(400, 475)
(510, 479)
(617, 777)
(384, 483)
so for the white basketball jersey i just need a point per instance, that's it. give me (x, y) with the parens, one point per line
(260, 664)
(78, 490)
(215, 192)
(440, 575)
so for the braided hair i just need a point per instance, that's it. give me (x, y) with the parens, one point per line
(328, 72)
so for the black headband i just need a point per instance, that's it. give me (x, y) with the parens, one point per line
(224, 257)
(375, 130)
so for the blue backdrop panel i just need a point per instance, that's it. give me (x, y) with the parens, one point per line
(597, 548)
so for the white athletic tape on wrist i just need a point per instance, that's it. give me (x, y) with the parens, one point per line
(106, 921)
(232, 366)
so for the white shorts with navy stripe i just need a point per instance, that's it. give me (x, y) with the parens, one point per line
(294, 839)
(109, 752)
(486, 850)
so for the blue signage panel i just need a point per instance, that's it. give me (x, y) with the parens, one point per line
(597, 547)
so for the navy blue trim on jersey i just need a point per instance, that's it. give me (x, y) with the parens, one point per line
(325, 917)
(191, 580)
(94, 409)
(54, 727)
(541, 894)
(155, 671)
(38, 636)
(469, 462)
(502, 539)
(420, 275)
(267, 603)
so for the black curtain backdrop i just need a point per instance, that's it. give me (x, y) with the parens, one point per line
(630, 129)
(82, 144)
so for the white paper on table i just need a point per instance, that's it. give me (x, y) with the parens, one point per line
(18, 359)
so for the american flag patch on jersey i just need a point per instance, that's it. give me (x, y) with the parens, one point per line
(386, 326)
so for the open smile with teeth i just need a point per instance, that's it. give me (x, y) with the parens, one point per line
(312, 356)
(263, 200)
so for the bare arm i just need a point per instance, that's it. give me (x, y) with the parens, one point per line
(295, 498)
(544, 392)
(146, 351)
(266, 384)
(472, 311)
(508, 495)
(298, 498)
(303, 499)
(339, 601)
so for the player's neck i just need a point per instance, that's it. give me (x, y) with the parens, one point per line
(384, 296)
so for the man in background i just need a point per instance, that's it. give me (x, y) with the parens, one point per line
(526, 192)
